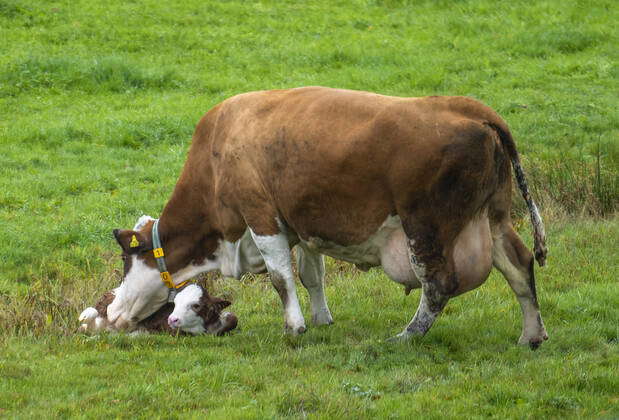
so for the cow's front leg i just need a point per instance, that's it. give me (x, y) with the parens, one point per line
(276, 253)
(311, 267)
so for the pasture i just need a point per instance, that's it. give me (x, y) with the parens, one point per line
(97, 107)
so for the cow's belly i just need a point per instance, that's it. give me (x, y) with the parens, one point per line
(366, 254)
(388, 248)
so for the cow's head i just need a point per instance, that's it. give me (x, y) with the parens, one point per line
(187, 253)
(196, 312)
(142, 292)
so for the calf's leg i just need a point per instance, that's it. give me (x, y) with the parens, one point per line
(275, 251)
(515, 262)
(311, 267)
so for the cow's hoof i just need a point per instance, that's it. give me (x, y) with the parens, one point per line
(533, 342)
(400, 338)
(294, 331)
(322, 319)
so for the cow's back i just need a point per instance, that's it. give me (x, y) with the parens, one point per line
(334, 163)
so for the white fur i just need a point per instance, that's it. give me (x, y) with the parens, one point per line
(386, 247)
(193, 270)
(88, 314)
(183, 316)
(141, 293)
(142, 221)
(537, 221)
(275, 251)
(241, 257)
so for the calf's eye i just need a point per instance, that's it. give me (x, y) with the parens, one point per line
(195, 306)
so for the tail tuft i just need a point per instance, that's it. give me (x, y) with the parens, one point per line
(539, 237)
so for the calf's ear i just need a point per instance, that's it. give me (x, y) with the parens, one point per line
(220, 304)
(131, 241)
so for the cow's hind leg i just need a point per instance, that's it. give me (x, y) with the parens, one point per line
(311, 267)
(433, 266)
(275, 250)
(515, 261)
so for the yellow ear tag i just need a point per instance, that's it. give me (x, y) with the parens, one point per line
(134, 242)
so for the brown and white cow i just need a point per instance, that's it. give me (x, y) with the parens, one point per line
(420, 186)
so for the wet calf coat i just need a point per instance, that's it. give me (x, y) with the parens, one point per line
(201, 314)
(421, 186)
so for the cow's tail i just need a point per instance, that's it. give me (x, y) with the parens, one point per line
(539, 234)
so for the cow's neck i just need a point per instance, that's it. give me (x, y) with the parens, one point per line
(188, 235)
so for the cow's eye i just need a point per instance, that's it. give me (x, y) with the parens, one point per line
(195, 306)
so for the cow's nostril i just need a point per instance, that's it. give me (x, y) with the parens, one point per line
(173, 321)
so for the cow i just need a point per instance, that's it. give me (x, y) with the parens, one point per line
(420, 186)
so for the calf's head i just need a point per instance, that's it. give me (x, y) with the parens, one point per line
(196, 312)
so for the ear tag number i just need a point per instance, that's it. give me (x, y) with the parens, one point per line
(134, 242)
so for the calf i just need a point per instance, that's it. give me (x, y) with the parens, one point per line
(200, 314)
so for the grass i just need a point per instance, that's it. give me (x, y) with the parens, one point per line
(97, 106)
(467, 366)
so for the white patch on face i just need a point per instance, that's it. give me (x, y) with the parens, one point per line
(139, 296)
(100, 323)
(142, 221)
(184, 316)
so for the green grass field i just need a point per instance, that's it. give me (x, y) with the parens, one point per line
(97, 107)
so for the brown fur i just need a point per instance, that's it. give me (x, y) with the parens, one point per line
(103, 303)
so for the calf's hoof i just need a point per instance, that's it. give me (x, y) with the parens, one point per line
(88, 314)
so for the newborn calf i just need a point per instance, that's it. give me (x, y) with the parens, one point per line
(202, 314)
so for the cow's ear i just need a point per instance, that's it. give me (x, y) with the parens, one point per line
(130, 241)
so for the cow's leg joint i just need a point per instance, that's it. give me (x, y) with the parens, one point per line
(429, 270)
